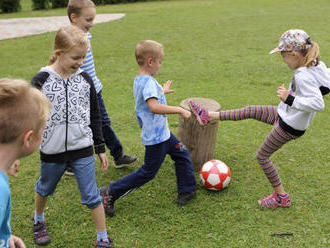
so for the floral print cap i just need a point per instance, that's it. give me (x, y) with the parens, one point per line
(293, 39)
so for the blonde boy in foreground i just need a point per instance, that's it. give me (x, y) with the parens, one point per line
(23, 113)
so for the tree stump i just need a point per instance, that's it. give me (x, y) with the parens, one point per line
(200, 140)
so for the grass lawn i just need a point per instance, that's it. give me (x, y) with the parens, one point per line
(216, 49)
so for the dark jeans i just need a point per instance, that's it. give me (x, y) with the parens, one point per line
(110, 138)
(154, 157)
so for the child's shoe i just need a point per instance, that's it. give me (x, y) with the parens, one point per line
(40, 233)
(124, 161)
(108, 201)
(104, 244)
(201, 114)
(275, 200)
(184, 198)
(69, 171)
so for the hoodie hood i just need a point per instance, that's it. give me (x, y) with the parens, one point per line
(320, 73)
(50, 70)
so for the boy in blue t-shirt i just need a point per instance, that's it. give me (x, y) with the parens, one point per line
(23, 113)
(151, 109)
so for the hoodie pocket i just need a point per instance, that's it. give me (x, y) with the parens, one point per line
(79, 136)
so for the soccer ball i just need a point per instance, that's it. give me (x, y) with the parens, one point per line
(215, 175)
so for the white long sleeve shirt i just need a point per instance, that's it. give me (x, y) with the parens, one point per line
(306, 96)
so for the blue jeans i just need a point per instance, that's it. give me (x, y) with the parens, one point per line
(84, 170)
(154, 157)
(110, 138)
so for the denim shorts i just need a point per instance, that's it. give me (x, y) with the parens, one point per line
(84, 171)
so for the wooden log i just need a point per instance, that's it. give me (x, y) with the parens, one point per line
(200, 140)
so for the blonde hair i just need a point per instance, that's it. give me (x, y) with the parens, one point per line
(75, 7)
(146, 49)
(67, 38)
(311, 55)
(22, 107)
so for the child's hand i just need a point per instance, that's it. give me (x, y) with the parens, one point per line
(16, 242)
(282, 93)
(185, 114)
(14, 168)
(167, 86)
(104, 161)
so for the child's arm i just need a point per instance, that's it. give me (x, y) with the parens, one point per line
(167, 86)
(16, 242)
(157, 108)
(96, 125)
(311, 99)
(14, 168)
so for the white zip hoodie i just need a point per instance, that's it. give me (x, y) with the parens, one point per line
(305, 99)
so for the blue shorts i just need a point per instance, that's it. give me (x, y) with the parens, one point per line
(84, 171)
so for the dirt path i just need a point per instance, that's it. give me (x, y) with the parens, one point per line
(21, 27)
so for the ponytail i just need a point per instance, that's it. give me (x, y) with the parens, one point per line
(312, 55)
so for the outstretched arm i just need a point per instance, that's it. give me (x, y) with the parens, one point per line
(167, 86)
(157, 108)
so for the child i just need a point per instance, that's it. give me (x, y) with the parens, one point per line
(293, 115)
(151, 109)
(82, 13)
(72, 129)
(23, 114)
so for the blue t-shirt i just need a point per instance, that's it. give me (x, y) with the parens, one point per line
(5, 206)
(154, 126)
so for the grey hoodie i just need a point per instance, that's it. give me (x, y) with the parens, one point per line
(74, 124)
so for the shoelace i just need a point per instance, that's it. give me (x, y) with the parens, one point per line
(104, 244)
(40, 231)
(271, 201)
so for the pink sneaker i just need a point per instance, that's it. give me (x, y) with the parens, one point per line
(201, 114)
(274, 201)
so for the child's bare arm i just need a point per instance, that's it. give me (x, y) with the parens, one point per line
(157, 108)
(104, 161)
(282, 93)
(14, 168)
(167, 86)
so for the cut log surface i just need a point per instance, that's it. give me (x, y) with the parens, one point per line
(200, 140)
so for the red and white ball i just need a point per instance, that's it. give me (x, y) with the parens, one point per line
(215, 175)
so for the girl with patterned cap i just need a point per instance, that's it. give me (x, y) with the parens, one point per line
(295, 113)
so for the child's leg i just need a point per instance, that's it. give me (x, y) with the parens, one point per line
(183, 166)
(111, 140)
(40, 203)
(184, 171)
(273, 142)
(98, 217)
(265, 113)
(84, 169)
(51, 173)
(110, 137)
(154, 157)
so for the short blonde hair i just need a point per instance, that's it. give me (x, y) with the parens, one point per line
(146, 49)
(75, 7)
(67, 38)
(22, 107)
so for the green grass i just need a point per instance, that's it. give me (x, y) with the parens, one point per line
(216, 49)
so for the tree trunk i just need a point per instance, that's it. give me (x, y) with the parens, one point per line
(200, 140)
